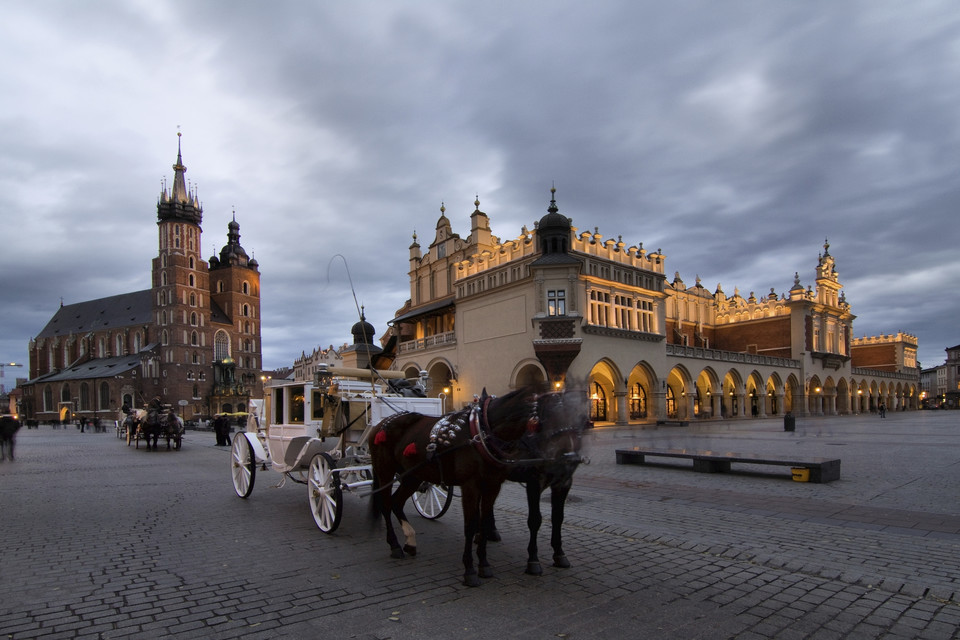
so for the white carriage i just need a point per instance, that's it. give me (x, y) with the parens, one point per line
(316, 434)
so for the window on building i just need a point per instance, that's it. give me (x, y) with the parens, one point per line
(104, 400)
(194, 339)
(47, 399)
(245, 310)
(245, 287)
(118, 346)
(638, 402)
(193, 319)
(557, 302)
(221, 346)
(84, 397)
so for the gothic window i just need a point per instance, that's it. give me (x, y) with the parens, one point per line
(66, 355)
(193, 299)
(221, 346)
(246, 327)
(47, 399)
(137, 342)
(192, 280)
(556, 302)
(84, 397)
(65, 393)
(103, 402)
(245, 310)
(193, 319)
(598, 403)
(219, 286)
(196, 358)
(101, 348)
(192, 266)
(246, 287)
(163, 278)
(194, 339)
(163, 260)
(163, 337)
(638, 402)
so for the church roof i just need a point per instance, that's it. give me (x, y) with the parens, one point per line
(124, 310)
(97, 368)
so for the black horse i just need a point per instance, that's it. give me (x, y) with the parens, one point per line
(475, 449)
(163, 424)
(559, 458)
(8, 429)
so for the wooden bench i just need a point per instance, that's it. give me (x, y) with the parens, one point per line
(821, 469)
(677, 423)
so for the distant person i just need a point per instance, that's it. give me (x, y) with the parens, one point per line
(883, 410)
(221, 428)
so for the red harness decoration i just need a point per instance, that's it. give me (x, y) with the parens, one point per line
(380, 438)
(410, 451)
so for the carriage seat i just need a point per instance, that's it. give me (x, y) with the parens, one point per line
(300, 451)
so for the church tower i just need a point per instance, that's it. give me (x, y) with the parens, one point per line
(180, 291)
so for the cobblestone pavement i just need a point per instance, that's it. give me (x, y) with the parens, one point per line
(105, 541)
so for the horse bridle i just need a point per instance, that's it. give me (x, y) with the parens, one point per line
(486, 443)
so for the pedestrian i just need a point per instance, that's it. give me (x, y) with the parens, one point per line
(220, 429)
(883, 410)
(83, 424)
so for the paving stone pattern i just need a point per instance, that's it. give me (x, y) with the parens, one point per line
(105, 541)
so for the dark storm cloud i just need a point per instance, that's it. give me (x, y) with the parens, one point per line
(734, 138)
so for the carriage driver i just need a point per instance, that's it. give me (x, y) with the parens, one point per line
(154, 409)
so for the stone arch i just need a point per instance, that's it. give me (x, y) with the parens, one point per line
(753, 394)
(680, 395)
(707, 393)
(843, 402)
(527, 372)
(641, 392)
(606, 392)
(791, 394)
(773, 403)
(815, 396)
(732, 388)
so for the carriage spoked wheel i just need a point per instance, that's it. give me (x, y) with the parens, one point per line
(432, 500)
(326, 496)
(243, 465)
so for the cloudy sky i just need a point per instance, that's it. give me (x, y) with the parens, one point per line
(735, 136)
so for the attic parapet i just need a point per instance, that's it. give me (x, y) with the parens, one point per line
(592, 244)
(498, 255)
(900, 336)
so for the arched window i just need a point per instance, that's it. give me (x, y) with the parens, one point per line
(65, 393)
(245, 310)
(101, 348)
(163, 337)
(191, 260)
(137, 342)
(163, 278)
(47, 399)
(118, 346)
(84, 397)
(246, 287)
(193, 299)
(638, 402)
(103, 402)
(221, 346)
(194, 339)
(193, 319)
(598, 403)
(191, 280)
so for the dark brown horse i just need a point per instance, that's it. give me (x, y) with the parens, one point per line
(475, 449)
(471, 449)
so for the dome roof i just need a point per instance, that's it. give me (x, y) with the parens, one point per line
(554, 220)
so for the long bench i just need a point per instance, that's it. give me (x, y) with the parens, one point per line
(821, 469)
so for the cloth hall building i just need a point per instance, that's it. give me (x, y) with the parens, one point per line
(193, 337)
(569, 307)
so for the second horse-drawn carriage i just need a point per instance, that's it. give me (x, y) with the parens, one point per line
(151, 426)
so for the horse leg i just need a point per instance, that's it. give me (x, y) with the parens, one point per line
(383, 502)
(401, 495)
(470, 498)
(534, 520)
(558, 499)
(488, 497)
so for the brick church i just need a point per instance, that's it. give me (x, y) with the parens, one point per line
(193, 337)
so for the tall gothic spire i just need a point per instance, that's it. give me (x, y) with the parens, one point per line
(180, 204)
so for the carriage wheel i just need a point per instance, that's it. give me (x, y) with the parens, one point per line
(243, 466)
(326, 497)
(432, 500)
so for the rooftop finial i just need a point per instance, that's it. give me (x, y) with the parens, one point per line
(476, 202)
(553, 199)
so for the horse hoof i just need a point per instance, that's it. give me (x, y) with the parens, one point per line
(561, 561)
(494, 536)
(534, 569)
(486, 572)
(471, 580)
(409, 550)
(396, 554)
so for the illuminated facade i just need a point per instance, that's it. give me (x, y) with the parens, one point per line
(193, 337)
(567, 306)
